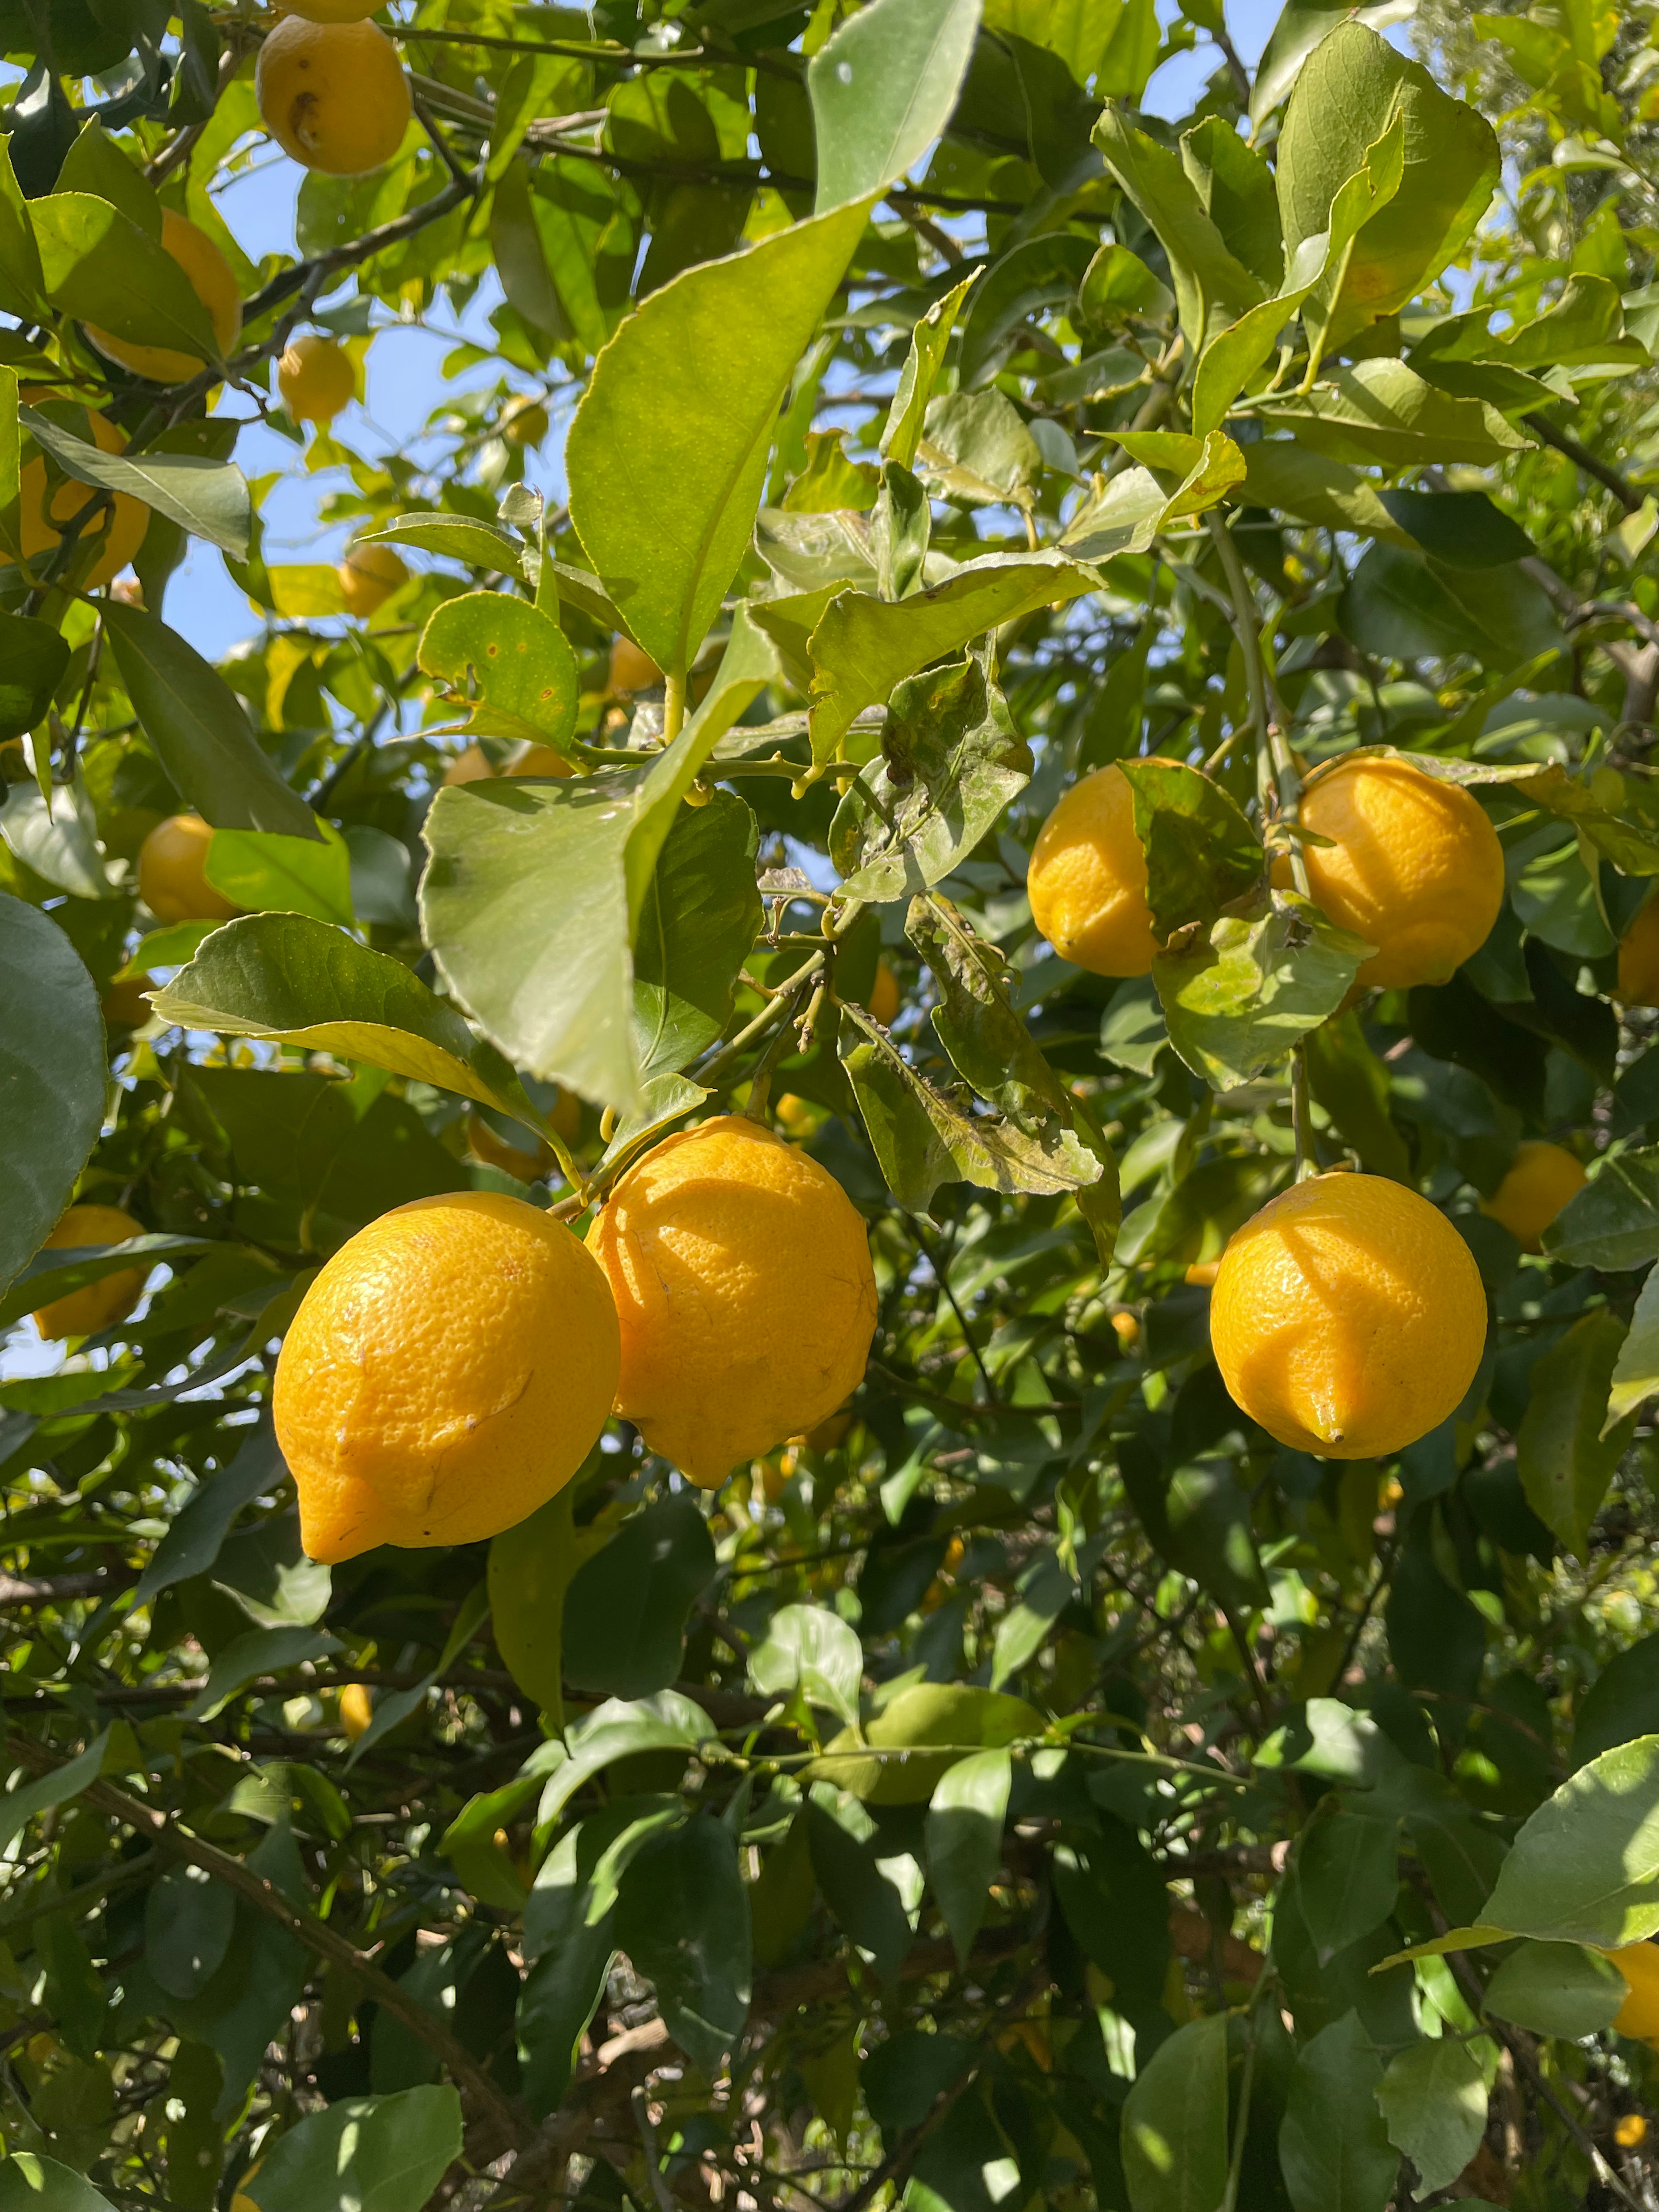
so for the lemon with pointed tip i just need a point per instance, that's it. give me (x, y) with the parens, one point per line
(214, 283)
(743, 1282)
(332, 95)
(1087, 880)
(1538, 1183)
(1348, 1316)
(112, 1298)
(173, 872)
(448, 1371)
(316, 377)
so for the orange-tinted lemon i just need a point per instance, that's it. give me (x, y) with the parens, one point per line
(173, 872)
(43, 511)
(1639, 959)
(743, 1283)
(212, 281)
(632, 669)
(449, 1370)
(333, 95)
(1087, 880)
(1414, 868)
(1348, 1317)
(95, 1305)
(1539, 1182)
(316, 377)
(369, 576)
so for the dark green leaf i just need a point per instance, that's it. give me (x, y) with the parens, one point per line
(1563, 1460)
(52, 1077)
(625, 1609)
(98, 266)
(376, 2153)
(1614, 1222)
(1556, 1989)
(207, 497)
(701, 918)
(1174, 2122)
(32, 659)
(1265, 979)
(683, 1918)
(1433, 2101)
(1202, 853)
(964, 1841)
(1334, 2147)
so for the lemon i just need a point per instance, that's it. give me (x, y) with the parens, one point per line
(525, 424)
(632, 669)
(356, 1710)
(43, 510)
(95, 1305)
(884, 1000)
(1638, 2016)
(1087, 880)
(369, 576)
(1348, 1316)
(1639, 959)
(1539, 1182)
(173, 872)
(332, 95)
(316, 377)
(448, 1371)
(473, 765)
(743, 1282)
(214, 284)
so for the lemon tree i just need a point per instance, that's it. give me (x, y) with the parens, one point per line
(827, 1224)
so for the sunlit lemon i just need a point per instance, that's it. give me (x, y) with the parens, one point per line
(1087, 879)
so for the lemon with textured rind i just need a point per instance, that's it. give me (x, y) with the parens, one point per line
(1087, 880)
(316, 377)
(333, 95)
(1639, 959)
(46, 504)
(1539, 1182)
(1348, 1316)
(1414, 868)
(173, 872)
(743, 1283)
(1638, 2016)
(356, 1710)
(447, 1371)
(214, 283)
(95, 1305)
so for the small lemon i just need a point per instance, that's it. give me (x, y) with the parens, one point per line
(632, 669)
(884, 998)
(356, 1710)
(1639, 959)
(1087, 879)
(99, 1305)
(316, 377)
(525, 424)
(1631, 2132)
(332, 95)
(743, 1282)
(1126, 1328)
(1539, 1182)
(173, 872)
(1348, 1316)
(798, 1117)
(447, 1371)
(214, 283)
(369, 576)
(1638, 2016)
(1414, 868)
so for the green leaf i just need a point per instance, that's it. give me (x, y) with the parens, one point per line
(1118, 280)
(561, 1992)
(862, 647)
(98, 266)
(882, 88)
(1213, 286)
(1382, 410)
(930, 1726)
(21, 282)
(207, 497)
(463, 537)
(1174, 2122)
(11, 512)
(1333, 2150)
(1031, 279)
(301, 982)
(1352, 81)
(664, 499)
(362, 2154)
(95, 164)
(1563, 1460)
(1352, 1083)
(683, 1918)
(950, 761)
(810, 1649)
(1622, 1702)
(626, 1605)
(519, 660)
(1433, 2100)
(266, 872)
(1281, 473)
(246, 1657)
(1556, 1989)
(48, 1791)
(32, 659)
(1585, 1867)
(59, 842)
(1202, 853)
(1635, 1371)
(666, 1722)
(1347, 1876)
(964, 1841)
(196, 723)
(1614, 1222)
(901, 431)
(28, 2184)
(46, 1278)
(701, 915)
(52, 1077)
(976, 447)
(1462, 529)
(1265, 978)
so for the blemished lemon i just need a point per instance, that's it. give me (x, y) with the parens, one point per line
(99, 1305)
(1348, 1316)
(448, 1371)
(1539, 1182)
(1638, 2016)
(884, 996)
(316, 377)
(356, 1710)
(632, 669)
(743, 1283)
(1639, 959)
(473, 765)
(1087, 880)
(369, 576)
(43, 511)
(1414, 868)
(173, 872)
(212, 281)
(333, 94)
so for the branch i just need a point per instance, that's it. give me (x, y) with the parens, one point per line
(290, 281)
(1621, 487)
(58, 1590)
